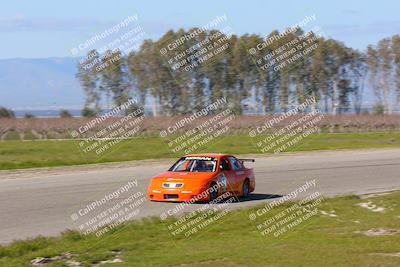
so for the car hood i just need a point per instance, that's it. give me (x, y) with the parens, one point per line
(190, 180)
(182, 176)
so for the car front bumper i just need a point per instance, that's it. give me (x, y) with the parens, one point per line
(177, 195)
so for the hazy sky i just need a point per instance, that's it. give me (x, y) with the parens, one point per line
(50, 28)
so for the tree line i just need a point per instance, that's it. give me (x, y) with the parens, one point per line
(9, 113)
(336, 75)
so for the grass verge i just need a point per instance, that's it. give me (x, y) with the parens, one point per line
(324, 240)
(48, 153)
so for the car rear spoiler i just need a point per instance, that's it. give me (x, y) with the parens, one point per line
(243, 160)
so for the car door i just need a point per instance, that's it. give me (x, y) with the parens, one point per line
(226, 176)
(238, 173)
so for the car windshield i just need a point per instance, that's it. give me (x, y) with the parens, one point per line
(195, 164)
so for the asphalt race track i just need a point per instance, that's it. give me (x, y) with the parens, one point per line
(41, 201)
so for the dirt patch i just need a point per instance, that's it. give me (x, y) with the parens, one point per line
(66, 257)
(396, 254)
(217, 262)
(116, 260)
(379, 232)
(373, 195)
(370, 206)
(330, 214)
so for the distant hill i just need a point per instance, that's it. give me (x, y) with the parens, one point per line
(39, 83)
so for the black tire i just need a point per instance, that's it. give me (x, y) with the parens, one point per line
(246, 189)
(213, 191)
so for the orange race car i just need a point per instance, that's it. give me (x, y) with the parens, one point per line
(203, 177)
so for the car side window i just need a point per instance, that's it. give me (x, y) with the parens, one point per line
(236, 166)
(224, 166)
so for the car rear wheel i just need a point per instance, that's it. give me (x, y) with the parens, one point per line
(246, 189)
(213, 191)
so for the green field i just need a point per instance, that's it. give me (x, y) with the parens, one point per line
(47, 153)
(233, 240)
